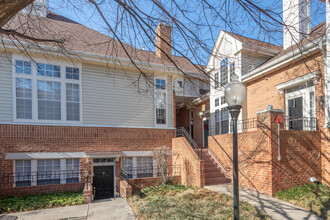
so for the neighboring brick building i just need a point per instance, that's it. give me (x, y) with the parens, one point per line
(75, 118)
(292, 78)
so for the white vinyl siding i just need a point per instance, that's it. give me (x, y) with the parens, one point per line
(6, 91)
(111, 97)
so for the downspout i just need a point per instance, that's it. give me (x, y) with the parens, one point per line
(327, 63)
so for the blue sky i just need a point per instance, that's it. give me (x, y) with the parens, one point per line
(235, 20)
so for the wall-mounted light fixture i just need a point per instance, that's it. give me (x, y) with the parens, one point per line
(321, 101)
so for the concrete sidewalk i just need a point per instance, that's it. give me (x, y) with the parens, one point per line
(275, 208)
(106, 209)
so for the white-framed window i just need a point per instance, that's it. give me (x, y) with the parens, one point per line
(49, 172)
(22, 173)
(72, 102)
(231, 70)
(23, 98)
(72, 170)
(216, 80)
(46, 91)
(160, 100)
(138, 167)
(216, 102)
(127, 165)
(145, 167)
(224, 72)
(223, 100)
(224, 118)
(300, 107)
(46, 172)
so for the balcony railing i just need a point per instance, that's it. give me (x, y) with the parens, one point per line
(19, 179)
(143, 172)
(290, 123)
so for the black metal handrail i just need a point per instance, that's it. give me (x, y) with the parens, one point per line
(155, 171)
(181, 132)
(303, 124)
(40, 178)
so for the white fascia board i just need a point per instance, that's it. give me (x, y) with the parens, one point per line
(298, 81)
(283, 60)
(44, 155)
(91, 57)
(137, 153)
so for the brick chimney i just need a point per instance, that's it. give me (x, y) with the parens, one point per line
(297, 20)
(163, 41)
(38, 7)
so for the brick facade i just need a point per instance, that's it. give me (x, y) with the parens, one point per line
(259, 167)
(262, 92)
(192, 169)
(42, 138)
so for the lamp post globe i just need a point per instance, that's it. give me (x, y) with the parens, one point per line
(235, 93)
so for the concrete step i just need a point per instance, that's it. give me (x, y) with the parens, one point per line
(216, 180)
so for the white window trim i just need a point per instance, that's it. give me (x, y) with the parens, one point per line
(166, 104)
(34, 168)
(34, 77)
(134, 165)
(304, 93)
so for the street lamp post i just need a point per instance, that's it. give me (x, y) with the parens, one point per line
(235, 94)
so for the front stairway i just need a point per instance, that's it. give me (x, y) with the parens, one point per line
(213, 174)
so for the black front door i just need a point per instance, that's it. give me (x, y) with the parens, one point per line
(295, 113)
(103, 182)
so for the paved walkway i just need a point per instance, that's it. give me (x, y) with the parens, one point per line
(275, 208)
(117, 209)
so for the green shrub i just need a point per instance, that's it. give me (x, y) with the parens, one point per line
(313, 197)
(25, 203)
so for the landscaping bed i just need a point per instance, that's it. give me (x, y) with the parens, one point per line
(312, 197)
(181, 202)
(25, 203)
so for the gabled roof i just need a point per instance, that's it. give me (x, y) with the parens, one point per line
(254, 42)
(80, 38)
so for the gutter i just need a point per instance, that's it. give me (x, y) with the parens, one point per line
(258, 72)
(92, 57)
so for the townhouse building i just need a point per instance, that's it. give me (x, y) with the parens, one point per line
(75, 114)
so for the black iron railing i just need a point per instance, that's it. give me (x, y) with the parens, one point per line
(143, 172)
(303, 124)
(181, 132)
(40, 178)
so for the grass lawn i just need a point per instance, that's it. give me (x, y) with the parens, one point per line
(309, 197)
(181, 202)
(25, 203)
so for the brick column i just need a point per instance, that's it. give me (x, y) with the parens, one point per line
(268, 126)
(86, 166)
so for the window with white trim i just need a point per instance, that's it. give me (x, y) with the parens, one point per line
(49, 172)
(72, 170)
(224, 72)
(23, 98)
(22, 173)
(49, 100)
(160, 101)
(216, 80)
(217, 122)
(145, 167)
(216, 102)
(231, 70)
(72, 102)
(46, 92)
(127, 165)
